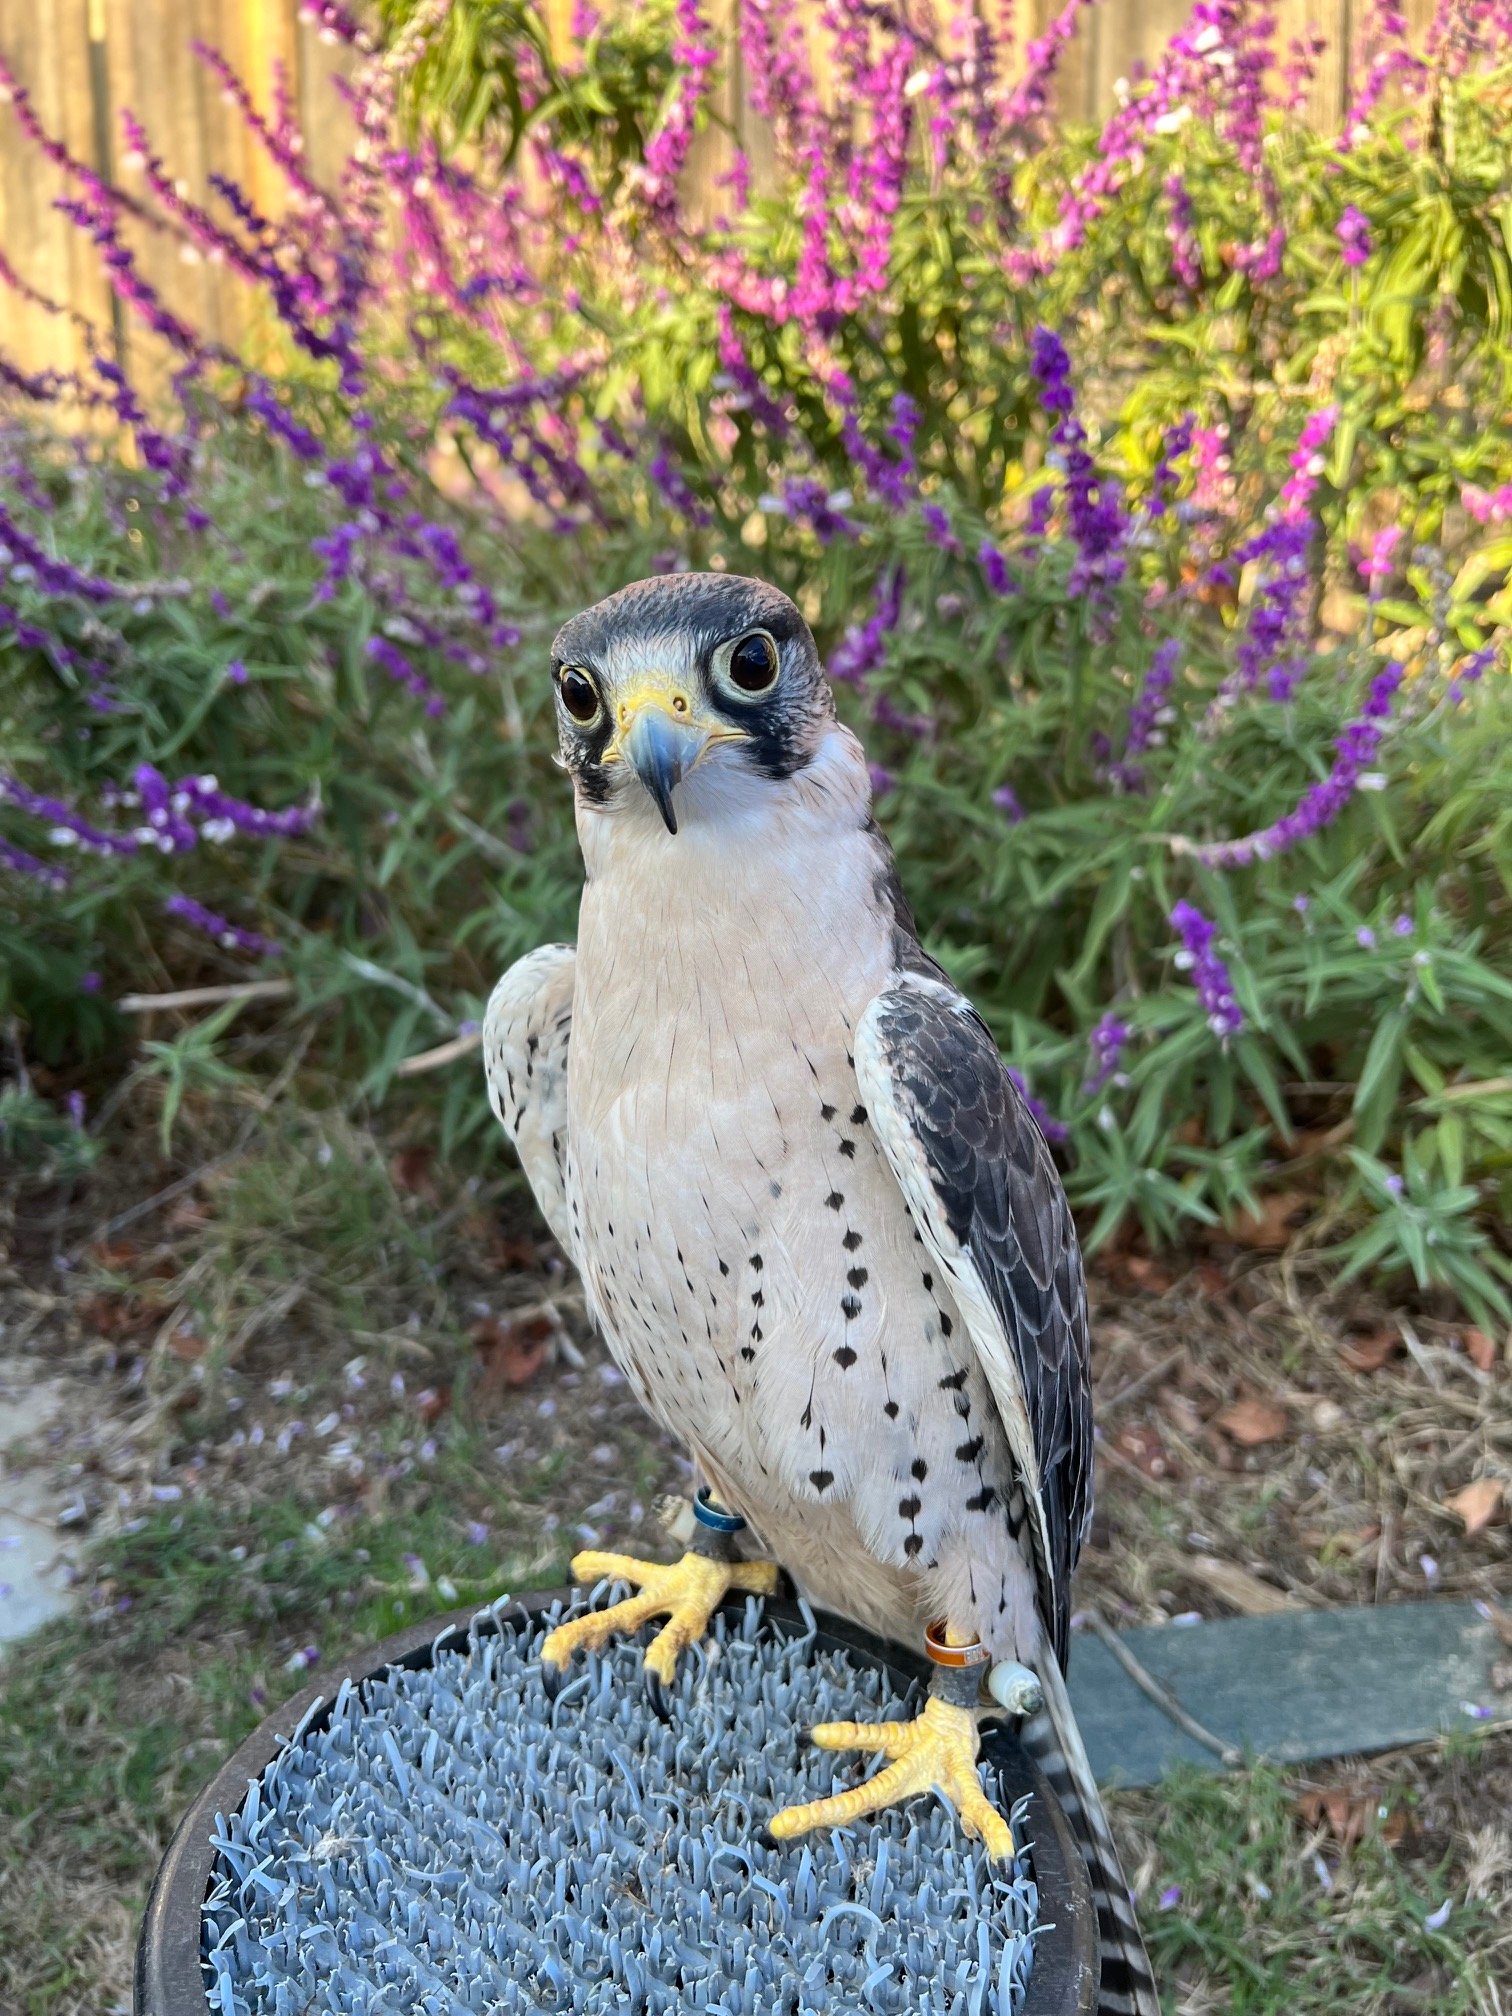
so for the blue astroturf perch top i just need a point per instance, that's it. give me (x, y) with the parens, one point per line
(450, 1840)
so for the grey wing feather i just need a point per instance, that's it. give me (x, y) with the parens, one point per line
(527, 1028)
(988, 1202)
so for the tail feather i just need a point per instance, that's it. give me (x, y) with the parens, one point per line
(1054, 1741)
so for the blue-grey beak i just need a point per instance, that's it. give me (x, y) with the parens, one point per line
(662, 750)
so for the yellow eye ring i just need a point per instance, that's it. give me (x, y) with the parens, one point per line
(579, 695)
(749, 665)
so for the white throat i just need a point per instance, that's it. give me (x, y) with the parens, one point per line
(765, 896)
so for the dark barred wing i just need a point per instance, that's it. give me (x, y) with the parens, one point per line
(987, 1200)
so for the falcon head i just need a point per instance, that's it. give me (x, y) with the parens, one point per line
(686, 672)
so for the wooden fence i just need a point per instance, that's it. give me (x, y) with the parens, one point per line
(84, 61)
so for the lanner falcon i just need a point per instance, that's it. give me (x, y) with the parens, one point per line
(814, 1219)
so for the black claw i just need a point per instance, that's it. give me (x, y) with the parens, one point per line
(656, 1694)
(553, 1679)
(767, 1838)
(805, 1739)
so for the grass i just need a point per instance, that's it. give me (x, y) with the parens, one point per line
(1260, 1912)
(294, 1440)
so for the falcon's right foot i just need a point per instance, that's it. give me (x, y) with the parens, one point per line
(687, 1591)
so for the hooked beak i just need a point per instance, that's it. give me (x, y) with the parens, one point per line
(662, 743)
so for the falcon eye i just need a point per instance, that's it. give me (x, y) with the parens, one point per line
(750, 663)
(579, 694)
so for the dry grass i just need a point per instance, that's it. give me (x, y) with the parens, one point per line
(1348, 1501)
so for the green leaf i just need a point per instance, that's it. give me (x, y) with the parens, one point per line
(1380, 1078)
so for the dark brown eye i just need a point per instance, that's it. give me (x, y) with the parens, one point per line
(753, 663)
(579, 694)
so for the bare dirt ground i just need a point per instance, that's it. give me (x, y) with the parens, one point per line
(322, 1388)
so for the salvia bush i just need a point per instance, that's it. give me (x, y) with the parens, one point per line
(1148, 487)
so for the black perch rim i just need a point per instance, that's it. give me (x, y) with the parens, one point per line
(169, 1980)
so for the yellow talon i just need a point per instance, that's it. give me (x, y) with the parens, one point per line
(691, 1590)
(939, 1750)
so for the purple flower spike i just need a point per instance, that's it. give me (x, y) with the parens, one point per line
(1107, 1044)
(695, 55)
(233, 936)
(1353, 233)
(1006, 800)
(1093, 508)
(400, 670)
(1055, 1131)
(1148, 713)
(68, 828)
(1210, 977)
(675, 488)
(937, 524)
(995, 569)
(28, 560)
(864, 645)
(1050, 363)
(19, 862)
(1322, 803)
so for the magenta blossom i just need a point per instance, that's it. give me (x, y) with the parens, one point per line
(1353, 233)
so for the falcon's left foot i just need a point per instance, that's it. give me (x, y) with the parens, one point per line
(937, 1752)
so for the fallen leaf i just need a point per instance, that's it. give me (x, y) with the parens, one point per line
(1269, 1229)
(118, 1257)
(511, 1350)
(1369, 1354)
(117, 1317)
(1348, 1815)
(514, 1254)
(185, 1344)
(1147, 1274)
(410, 1172)
(1480, 1350)
(1213, 1279)
(1251, 1422)
(1478, 1504)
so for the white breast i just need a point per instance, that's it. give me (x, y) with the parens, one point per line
(745, 1246)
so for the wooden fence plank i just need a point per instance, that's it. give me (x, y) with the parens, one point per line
(48, 47)
(147, 66)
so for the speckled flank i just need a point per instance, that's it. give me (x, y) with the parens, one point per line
(454, 1842)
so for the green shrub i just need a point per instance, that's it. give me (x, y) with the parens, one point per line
(1181, 662)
